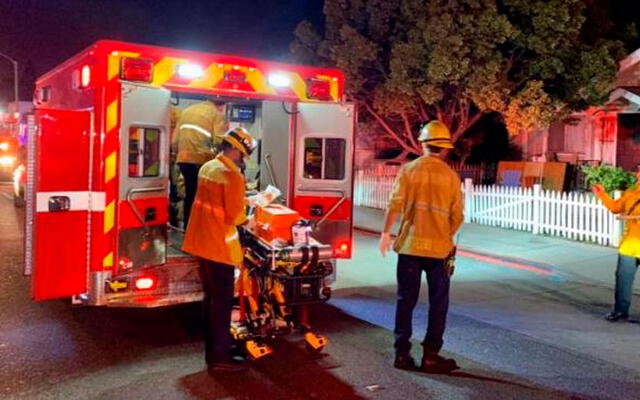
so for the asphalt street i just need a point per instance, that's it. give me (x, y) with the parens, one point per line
(518, 333)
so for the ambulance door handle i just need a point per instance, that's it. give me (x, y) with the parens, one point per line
(134, 191)
(330, 211)
(333, 208)
(321, 190)
(272, 175)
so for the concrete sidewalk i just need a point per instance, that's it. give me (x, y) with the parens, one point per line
(578, 261)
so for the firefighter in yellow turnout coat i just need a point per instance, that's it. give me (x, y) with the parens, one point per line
(628, 207)
(427, 196)
(212, 236)
(198, 132)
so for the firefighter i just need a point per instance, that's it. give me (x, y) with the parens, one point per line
(212, 236)
(197, 134)
(427, 196)
(628, 206)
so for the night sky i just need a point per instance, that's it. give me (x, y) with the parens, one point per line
(40, 34)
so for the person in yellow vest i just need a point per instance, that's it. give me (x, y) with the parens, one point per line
(198, 132)
(427, 196)
(212, 236)
(628, 207)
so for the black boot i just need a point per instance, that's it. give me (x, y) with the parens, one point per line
(435, 364)
(404, 361)
(616, 316)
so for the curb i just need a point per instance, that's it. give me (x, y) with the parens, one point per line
(505, 261)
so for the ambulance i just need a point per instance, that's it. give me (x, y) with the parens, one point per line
(98, 164)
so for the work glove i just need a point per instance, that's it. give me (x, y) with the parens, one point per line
(450, 262)
(385, 243)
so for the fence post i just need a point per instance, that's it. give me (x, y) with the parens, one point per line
(537, 208)
(618, 226)
(468, 199)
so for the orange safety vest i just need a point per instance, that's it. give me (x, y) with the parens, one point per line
(197, 131)
(428, 196)
(218, 208)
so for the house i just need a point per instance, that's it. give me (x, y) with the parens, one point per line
(607, 134)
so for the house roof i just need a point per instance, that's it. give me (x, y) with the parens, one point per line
(629, 96)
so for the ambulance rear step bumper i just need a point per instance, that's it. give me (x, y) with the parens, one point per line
(176, 282)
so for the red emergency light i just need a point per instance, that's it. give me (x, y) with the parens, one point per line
(235, 76)
(136, 69)
(145, 283)
(318, 89)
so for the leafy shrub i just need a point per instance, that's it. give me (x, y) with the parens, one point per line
(610, 177)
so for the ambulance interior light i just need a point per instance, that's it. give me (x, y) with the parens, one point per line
(279, 80)
(136, 69)
(190, 71)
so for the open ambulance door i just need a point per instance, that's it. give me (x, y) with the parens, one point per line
(144, 177)
(323, 173)
(59, 200)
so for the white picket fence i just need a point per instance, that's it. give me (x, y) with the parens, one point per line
(575, 216)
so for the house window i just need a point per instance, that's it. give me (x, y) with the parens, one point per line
(144, 152)
(324, 158)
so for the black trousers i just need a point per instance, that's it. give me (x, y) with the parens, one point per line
(190, 174)
(218, 285)
(409, 275)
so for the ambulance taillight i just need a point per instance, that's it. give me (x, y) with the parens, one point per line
(343, 250)
(136, 69)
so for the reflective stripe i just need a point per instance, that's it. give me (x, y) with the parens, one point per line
(216, 210)
(89, 201)
(421, 205)
(196, 128)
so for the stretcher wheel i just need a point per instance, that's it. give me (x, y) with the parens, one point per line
(314, 343)
(313, 350)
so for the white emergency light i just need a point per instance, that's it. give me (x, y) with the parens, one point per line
(85, 76)
(279, 80)
(190, 71)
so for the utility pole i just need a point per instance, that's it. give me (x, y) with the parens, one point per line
(15, 81)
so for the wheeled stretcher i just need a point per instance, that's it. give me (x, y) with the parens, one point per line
(275, 286)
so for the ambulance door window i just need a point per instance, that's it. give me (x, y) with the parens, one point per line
(324, 158)
(334, 165)
(144, 152)
(313, 158)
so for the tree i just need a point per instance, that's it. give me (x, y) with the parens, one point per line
(409, 61)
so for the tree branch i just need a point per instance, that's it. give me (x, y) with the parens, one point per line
(459, 132)
(408, 133)
(388, 129)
